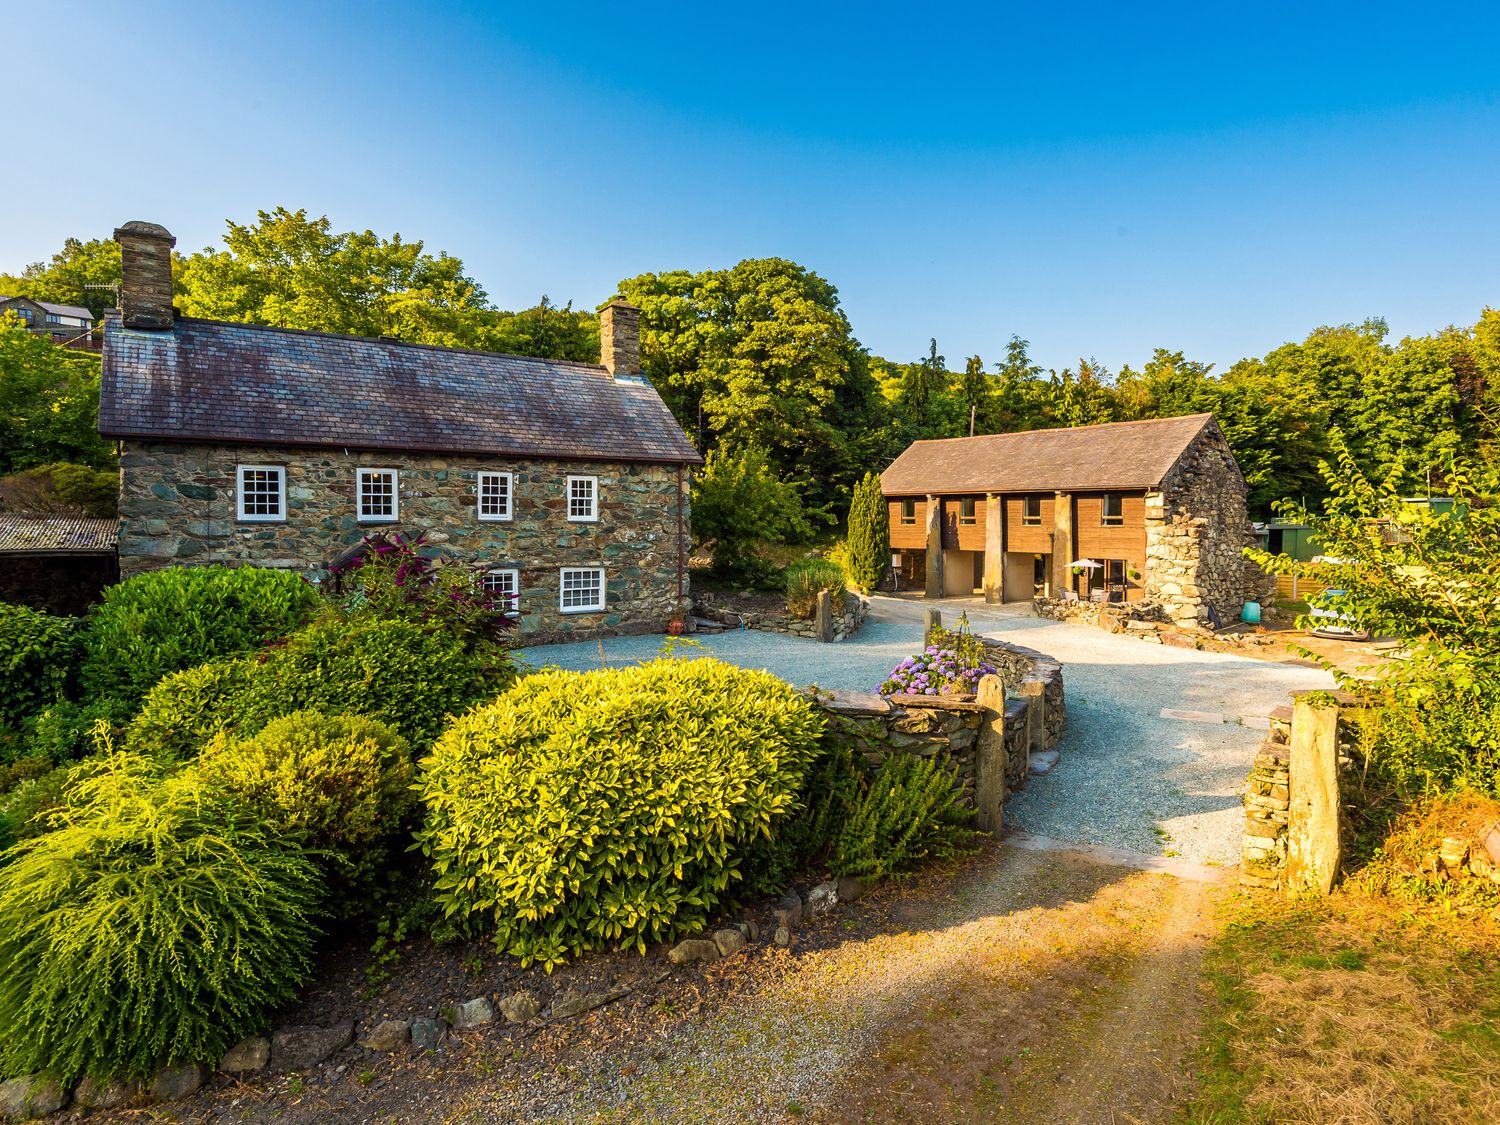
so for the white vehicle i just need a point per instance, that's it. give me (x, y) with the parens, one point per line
(1332, 624)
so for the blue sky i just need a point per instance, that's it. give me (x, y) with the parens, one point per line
(1099, 179)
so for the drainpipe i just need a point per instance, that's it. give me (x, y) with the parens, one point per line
(681, 545)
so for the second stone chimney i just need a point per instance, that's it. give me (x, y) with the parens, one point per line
(620, 340)
(146, 281)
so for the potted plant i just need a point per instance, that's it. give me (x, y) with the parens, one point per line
(675, 627)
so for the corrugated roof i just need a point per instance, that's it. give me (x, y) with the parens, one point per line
(209, 381)
(1122, 455)
(57, 535)
(58, 310)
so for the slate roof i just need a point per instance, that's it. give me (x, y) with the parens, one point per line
(57, 535)
(1115, 455)
(212, 382)
(56, 310)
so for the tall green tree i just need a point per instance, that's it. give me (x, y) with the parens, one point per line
(869, 535)
(81, 273)
(49, 402)
(974, 392)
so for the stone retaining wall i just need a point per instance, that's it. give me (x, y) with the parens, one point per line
(990, 736)
(847, 619)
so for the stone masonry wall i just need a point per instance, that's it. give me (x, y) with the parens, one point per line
(177, 506)
(848, 618)
(1196, 532)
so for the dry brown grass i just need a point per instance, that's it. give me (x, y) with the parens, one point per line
(1355, 1009)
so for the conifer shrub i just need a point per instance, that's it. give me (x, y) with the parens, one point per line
(805, 580)
(869, 550)
(166, 620)
(38, 659)
(339, 784)
(159, 923)
(907, 811)
(610, 807)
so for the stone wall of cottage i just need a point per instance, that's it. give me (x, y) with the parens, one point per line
(1196, 532)
(178, 505)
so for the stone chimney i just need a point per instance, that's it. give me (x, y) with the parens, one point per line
(620, 339)
(146, 285)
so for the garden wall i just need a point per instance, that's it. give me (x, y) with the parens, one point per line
(989, 736)
(846, 618)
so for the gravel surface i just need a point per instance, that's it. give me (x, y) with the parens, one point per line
(1128, 777)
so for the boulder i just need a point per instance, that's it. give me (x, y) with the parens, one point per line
(729, 941)
(302, 1048)
(31, 1096)
(247, 1056)
(782, 937)
(693, 949)
(387, 1035)
(521, 1007)
(116, 1094)
(789, 909)
(172, 1083)
(850, 888)
(428, 1034)
(1490, 837)
(822, 898)
(574, 1003)
(474, 1013)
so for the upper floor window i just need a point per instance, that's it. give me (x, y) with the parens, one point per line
(966, 511)
(1114, 510)
(582, 589)
(494, 496)
(583, 498)
(260, 493)
(377, 495)
(503, 586)
(1031, 511)
(908, 511)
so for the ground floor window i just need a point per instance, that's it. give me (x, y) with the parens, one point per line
(582, 589)
(504, 586)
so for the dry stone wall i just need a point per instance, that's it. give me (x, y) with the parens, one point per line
(848, 618)
(177, 506)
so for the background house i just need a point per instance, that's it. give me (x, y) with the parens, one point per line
(565, 485)
(71, 325)
(1159, 504)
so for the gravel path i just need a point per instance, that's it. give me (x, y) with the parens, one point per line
(1128, 776)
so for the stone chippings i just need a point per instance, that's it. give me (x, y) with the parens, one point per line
(177, 506)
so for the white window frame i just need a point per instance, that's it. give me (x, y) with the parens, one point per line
(515, 586)
(510, 497)
(360, 475)
(562, 590)
(239, 494)
(593, 513)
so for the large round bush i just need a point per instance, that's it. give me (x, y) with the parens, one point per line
(186, 709)
(162, 923)
(166, 620)
(580, 809)
(339, 784)
(38, 656)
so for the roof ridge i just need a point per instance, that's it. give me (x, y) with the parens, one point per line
(1206, 414)
(384, 340)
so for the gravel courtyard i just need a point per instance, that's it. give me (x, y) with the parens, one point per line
(1129, 777)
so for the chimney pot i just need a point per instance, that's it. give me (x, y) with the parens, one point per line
(146, 275)
(620, 339)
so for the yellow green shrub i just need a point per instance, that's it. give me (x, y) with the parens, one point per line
(610, 807)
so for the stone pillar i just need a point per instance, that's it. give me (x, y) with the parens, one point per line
(1313, 850)
(934, 622)
(146, 275)
(1062, 543)
(989, 759)
(823, 618)
(620, 339)
(994, 550)
(934, 547)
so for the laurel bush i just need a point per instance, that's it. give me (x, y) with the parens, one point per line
(166, 620)
(159, 923)
(584, 809)
(339, 784)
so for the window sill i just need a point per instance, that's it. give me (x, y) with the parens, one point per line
(260, 519)
(582, 609)
(496, 519)
(583, 519)
(368, 520)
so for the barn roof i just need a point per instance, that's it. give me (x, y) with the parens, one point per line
(57, 535)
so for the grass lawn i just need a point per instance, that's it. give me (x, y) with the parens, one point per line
(1354, 1008)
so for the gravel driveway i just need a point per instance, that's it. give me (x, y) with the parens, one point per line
(1128, 777)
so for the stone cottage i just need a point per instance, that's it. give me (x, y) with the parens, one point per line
(1158, 505)
(565, 485)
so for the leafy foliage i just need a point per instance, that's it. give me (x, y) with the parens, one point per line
(66, 731)
(61, 489)
(869, 535)
(158, 923)
(49, 403)
(581, 809)
(806, 579)
(26, 811)
(186, 709)
(38, 659)
(737, 503)
(166, 620)
(908, 812)
(1432, 579)
(339, 784)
